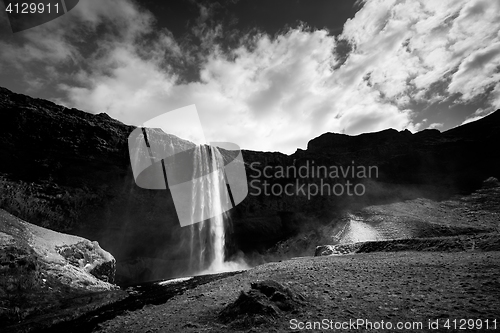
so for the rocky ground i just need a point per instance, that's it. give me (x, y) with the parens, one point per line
(391, 287)
(430, 260)
(477, 212)
(414, 260)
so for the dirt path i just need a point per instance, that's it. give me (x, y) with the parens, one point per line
(393, 287)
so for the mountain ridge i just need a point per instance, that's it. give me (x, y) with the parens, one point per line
(69, 170)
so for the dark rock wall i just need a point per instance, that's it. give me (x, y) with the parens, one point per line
(69, 170)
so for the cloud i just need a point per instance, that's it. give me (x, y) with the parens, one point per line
(435, 125)
(411, 45)
(273, 92)
(478, 114)
(273, 95)
(61, 39)
(477, 72)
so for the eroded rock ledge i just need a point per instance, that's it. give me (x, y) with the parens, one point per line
(47, 276)
(480, 242)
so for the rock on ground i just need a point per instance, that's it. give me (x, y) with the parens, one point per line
(41, 269)
(266, 300)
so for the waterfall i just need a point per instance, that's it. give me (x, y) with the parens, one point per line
(210, 195)
(197, 177)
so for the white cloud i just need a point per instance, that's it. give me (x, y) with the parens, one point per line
(477, 71)
(435, 125)
(278, 93)
(59, 40)
(495, 97)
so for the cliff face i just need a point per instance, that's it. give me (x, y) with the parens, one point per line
(427, 164)
(69, 170)
(461, 157)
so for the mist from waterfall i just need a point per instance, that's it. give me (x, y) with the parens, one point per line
(210, 195)
(356, 230)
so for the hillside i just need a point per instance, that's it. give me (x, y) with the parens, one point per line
(69, 171)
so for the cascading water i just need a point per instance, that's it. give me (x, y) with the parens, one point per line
(197, 177)
(210, 195)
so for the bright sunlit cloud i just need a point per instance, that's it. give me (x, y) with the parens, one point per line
(273, 92)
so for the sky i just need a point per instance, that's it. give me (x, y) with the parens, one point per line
(267, 75)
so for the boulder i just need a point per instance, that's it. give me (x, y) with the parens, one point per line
(90, 257)
(43, 271)
(265, 301)
(324, 250)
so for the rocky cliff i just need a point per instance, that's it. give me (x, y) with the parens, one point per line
(69, 170)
